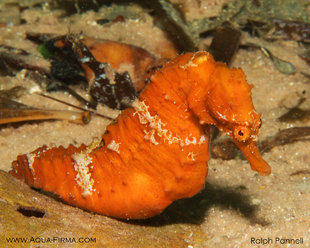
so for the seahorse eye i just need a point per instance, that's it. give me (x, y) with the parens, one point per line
(242, 133)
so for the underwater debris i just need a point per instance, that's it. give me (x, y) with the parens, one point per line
(225, 148)
(75, 6)
(68, 70)
(224, 44)
(64, 64)
(31, 212)
(77, 107)
(282, 16)
(281, 65)
(12, 111)
(175, 25)
(296, 113)
(67, 73)
(13, 93)
(301, 173)
(115, 90)
(306, 55)
(291, 30)
(72, 54)
(10, 62)
(284, 137)
(186, 34)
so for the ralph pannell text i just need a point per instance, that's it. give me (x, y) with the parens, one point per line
(276, 241)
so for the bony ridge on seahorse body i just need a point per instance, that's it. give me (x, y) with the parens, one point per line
(157, 151)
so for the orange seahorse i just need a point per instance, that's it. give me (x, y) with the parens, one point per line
(157, 151)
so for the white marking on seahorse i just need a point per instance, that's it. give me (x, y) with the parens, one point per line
(114, 146)
(155, 123)
(157, 127)
(31, 157)
(194, 61)
(83, 176)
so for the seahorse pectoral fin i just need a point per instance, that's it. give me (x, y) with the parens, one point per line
(255, 159)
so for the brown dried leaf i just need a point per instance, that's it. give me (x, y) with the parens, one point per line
(224, 44)
(12, 111)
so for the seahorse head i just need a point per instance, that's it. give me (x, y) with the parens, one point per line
(230, 106)
(227, 103)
